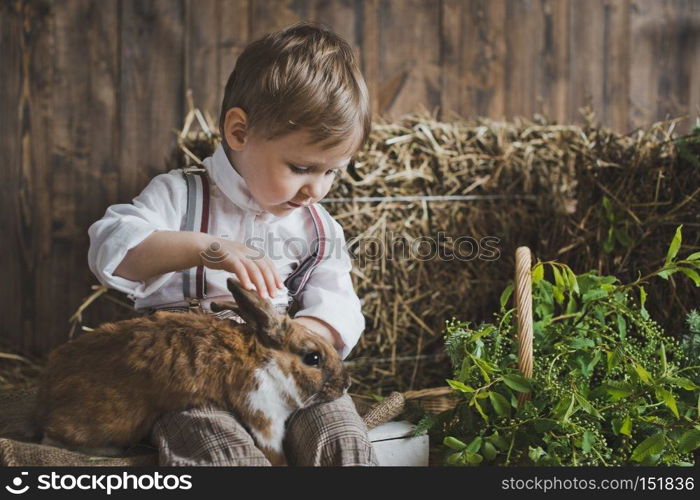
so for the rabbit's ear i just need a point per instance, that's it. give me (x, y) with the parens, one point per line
(255, 311)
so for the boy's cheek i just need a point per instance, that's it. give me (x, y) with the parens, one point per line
(322, 329)
(273, 193)
(316, 327)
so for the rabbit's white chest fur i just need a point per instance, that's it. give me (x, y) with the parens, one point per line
(271, 398)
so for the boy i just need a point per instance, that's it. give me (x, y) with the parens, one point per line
(295, 111)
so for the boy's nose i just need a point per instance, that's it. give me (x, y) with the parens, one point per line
(313, 192)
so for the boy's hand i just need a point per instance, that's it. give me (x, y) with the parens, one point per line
(250, 265)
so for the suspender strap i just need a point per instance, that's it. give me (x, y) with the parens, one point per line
(322, 246)
(194, 283)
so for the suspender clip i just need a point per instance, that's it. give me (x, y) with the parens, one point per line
(195, 304)
(194, 170)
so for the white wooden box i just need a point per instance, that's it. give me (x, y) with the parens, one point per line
(394, 445)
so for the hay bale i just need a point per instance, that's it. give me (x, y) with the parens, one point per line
(534, 183)
(582, 194)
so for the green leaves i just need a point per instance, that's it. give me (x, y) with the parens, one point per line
(559, 285)
(517, 383)
(613, 358)
(642, 301)
(688, 266)
(570, 409)
(537, 273)
(475, 445)
(622, 426)
(642, 373)
(652, 445)
(459, 386)
(692, 274)
(581, 343)
(454, 443)
(475, 403)
(536, 453)
(505, 295)
(608, 386)
(621, 326)
(472, 458)
(618, 391)
(587, 406)
(626, 427)
(489, 451)
(689, 441)
(467, 453)
(484, 366)
(500, 404)
(593, 295)
(667, 398)
(681, 382)
(587, 441)
(675, 245)
(617, 228)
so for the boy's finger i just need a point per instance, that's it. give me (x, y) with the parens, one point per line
(242, 273)
(278, 280)
(258, 279)
(269, 278)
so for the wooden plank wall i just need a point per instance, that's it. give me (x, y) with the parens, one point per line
(90, 92)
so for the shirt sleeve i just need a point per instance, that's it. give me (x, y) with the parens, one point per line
(159, 207)
(329, 295)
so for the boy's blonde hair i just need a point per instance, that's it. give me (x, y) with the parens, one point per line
(303, 77)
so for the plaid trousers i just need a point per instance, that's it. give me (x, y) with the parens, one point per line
(327, 434)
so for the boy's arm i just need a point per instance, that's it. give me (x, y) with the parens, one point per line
(323, 329)
(169, 251)
(136, 248)
(329, 304)
(124, 227)
(163, 252)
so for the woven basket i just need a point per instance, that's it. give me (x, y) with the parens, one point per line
(439, 399)
(18, 448)
(433, 399)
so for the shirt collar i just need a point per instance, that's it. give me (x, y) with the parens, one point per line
(230, 181)
(232, 185)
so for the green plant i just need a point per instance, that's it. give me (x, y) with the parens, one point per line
(608, 386)
(618, 228)
(690, 342)
(693, 321)
(688, 145)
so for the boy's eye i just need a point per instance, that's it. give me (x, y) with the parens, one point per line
(298, 170)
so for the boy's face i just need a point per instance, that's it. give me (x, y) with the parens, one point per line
(287, 172)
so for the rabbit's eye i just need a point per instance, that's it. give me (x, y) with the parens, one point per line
(312, 359)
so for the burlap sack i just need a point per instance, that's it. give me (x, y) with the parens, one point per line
(18, 446)
(15, 411)
(21, 453)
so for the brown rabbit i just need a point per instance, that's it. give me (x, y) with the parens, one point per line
(107, 388)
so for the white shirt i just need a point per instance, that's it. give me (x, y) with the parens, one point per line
(236, 216)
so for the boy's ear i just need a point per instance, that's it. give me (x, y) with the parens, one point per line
(236, 128)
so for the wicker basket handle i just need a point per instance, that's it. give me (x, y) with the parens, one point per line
(523, 307)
